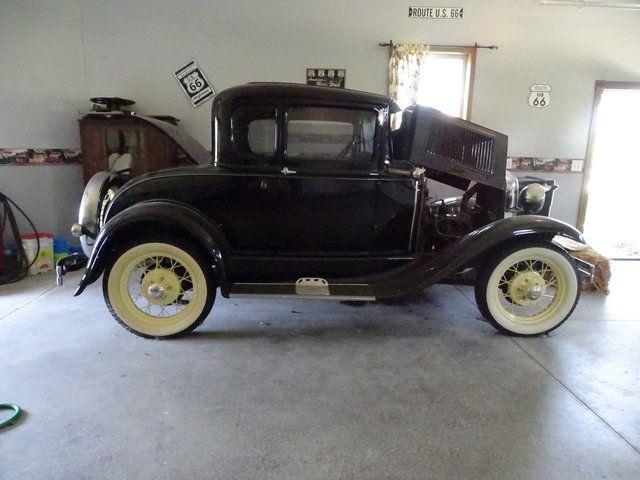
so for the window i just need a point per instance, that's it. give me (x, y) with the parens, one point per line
(331, 134)
(262, 136)
(253, 130)
(446, 80)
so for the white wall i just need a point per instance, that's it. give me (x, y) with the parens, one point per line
(42, 79)
(55, 55)
(49, 194)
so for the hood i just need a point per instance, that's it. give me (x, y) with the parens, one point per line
(455, 151)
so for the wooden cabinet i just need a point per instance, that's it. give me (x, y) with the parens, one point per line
(103, 135)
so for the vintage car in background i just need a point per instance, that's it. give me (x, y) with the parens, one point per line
(324, 193)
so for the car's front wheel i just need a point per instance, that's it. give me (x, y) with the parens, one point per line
(528, 290)
(159, 288)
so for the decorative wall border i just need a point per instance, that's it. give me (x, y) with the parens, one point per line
(40, 156)
(58, 156)
(540, 164)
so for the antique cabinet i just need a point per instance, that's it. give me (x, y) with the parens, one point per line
(103, 134)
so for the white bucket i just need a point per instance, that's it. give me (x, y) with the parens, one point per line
(44, 262)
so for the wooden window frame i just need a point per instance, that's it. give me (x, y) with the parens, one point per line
(470, 55)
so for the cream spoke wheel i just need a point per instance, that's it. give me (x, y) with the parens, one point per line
(158, 289)
(529, 290)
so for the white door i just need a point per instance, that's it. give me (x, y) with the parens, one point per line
(611, 193)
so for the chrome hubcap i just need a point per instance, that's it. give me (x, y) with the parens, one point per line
(535, 292)
(156, 291)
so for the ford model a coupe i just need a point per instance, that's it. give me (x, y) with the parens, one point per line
(322, 193)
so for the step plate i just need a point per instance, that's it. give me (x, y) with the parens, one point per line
(312, 286)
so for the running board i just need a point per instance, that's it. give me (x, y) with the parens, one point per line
(304, 288)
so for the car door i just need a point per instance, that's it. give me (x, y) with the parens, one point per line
(328, 190)
(244, 198)
(400, 197)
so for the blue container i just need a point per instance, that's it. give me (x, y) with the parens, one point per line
(60, 248)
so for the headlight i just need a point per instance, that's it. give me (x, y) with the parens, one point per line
(532, 198)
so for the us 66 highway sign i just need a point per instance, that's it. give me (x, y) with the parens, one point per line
(540, 95)
(194, 83)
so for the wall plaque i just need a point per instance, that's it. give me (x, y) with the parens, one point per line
(436, 13)
(539, 95)
(194, 83)
(326, 77)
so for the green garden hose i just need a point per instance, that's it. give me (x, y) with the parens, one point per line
(17, 412)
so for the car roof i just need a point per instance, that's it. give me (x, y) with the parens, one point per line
(298, 90)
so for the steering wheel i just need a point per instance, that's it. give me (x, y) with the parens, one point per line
(349, 147)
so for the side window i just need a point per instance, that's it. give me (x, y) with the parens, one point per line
(325, 138)
(261, 136)
(253, 133)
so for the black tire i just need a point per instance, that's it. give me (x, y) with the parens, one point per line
(188, 247)
(500, 254)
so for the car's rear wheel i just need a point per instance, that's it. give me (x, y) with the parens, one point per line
(159, 288)
(528, 290)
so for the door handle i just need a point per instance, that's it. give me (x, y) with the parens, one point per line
(399, 172)
(415, 172)
(286, 171)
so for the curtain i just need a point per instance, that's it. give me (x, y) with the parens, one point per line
(404, 72)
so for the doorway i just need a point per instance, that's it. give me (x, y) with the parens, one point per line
(608, 213)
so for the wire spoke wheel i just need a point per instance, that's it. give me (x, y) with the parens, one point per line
(528, 291)
(158, 290)
(160, 286)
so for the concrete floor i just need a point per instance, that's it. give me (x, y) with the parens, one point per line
(320, 390)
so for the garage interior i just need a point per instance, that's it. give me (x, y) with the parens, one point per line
(420, 387)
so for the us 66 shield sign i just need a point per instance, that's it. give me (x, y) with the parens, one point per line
(540, 95)
(194, 83)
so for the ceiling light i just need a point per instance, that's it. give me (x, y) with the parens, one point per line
(590, 3)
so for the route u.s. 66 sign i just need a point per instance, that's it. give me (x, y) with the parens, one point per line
(540, 95)
(194, 83)
(436, 13)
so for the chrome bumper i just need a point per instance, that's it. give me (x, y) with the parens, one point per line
(70, 263)
(586, 270)
(85, 235)
(77, 230)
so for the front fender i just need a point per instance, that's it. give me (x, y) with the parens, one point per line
(428, 270)
(152, 216)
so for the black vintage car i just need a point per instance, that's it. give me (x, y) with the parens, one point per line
(324, 193)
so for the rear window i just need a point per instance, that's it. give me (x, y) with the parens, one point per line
(253, 131)
(261, 136)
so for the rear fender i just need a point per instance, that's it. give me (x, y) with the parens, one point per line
(156, 216)
(469, 250)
